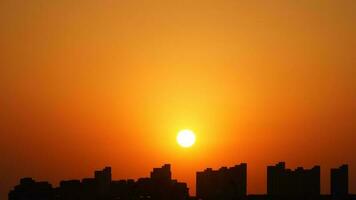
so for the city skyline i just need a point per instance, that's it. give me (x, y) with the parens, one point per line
(133, 84)
(226, 183)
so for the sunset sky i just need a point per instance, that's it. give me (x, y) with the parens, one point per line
(90, 83)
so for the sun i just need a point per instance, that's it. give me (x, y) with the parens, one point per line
(186, 138)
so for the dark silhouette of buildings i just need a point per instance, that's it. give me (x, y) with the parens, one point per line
(29, 189)
(163, 187)
(162, 174)
(298, 182)
(159, 186)
(339, 178)
(225, 183)
(103, 180)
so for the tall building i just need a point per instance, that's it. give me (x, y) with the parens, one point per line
(103, 176)
(162, 174)
(103, 181)
(339, 178)
(225, 183)
(163, 187)
(298, 182)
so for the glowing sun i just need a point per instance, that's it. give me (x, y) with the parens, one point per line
(186, 138)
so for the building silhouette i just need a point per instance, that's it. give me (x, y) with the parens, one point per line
(29, 189)
(163, 187)
(225, 183)
(103, 181)
(159, 186)
(70, 190)
(298, 182)
(339, 178)
(161, 174)
(222, 184)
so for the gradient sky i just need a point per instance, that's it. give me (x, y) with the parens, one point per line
(89, 83)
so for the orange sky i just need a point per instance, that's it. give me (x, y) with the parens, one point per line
(89, 83)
